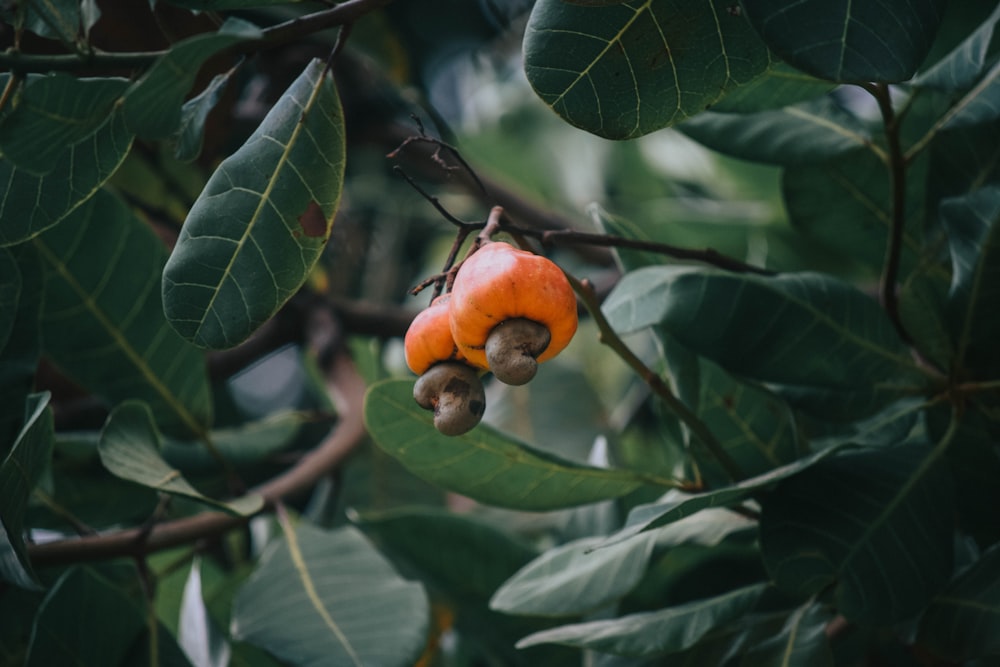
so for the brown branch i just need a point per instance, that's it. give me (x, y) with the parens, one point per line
(897, 187)
(345, 13)
(347, 390)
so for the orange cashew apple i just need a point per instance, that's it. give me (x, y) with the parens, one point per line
(511, 310)
(448, 384)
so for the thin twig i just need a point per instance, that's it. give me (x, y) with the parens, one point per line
(435, 202)
(897, 187)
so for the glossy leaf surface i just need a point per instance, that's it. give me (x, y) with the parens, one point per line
(103, 321)
(621, 70)
(262, 220)
(484, 464)
(340, 603)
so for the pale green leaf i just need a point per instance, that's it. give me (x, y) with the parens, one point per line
(19, 473)
(56, 112)
(259, 226)
(626, 69)
(960, 68)
(194, 113)
(329, 598)
(849, 41)
(102, 320)
(575, 578)
(484, 464)
(152, 106)
(874, 524)
(679, 506)
(662, 632)
(129, 449)
(30, 204)
(781, 85)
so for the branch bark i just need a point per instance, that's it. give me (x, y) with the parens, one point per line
(347, 390)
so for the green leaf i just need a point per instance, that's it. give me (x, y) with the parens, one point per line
(10, 294)
(19, 473)
(623, 70)
(960, 68)
(802, 642)
(974, 239)
(796, 135)
(781, 85)
(194, 113)
(660, 632)
(484, 464)
(254, 234)
(849, 41)
(62, 635)
(56, 112)
(30, 204)
(574, 578)
(246, 444)
(341, 603)
(627, 259)
(218, 5)
(980, 105)
(845, 203)
(804, 331)
(876, 524)
(19, 355)
(103, 322)
(53, 19)
(922, 307)
(129, 447)
(200, 638)
(963, 621)
(755, 427)
(152, 106)
(678, 506)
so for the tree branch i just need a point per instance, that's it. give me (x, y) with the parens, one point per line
(897, 188)
(347, 390)
(343, 14)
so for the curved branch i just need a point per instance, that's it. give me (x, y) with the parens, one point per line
(347, 389)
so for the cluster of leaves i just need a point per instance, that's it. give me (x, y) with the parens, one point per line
(809, 474)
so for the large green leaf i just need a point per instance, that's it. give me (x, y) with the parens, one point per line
(329, 598)
(849, 41)
(974, 237)
(662, 632)
(574, 578)
(245, 444)
(876, 524)
(129, 447)
(54, 19)
(152, 106)
(676, 506)
(19, 473)
(963, 621)
(807, 332)
(845, 203)
(56, 112)
(964, 64)
(754, 427)
(484, 464)
(624, 69)
(794, 135)
(30, 204)
(66, 635)
(102, 320)
(262, 220)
